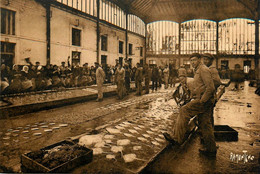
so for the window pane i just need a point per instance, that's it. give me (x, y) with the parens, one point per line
(3, 21)
(76, 37)
(13, 23)
(104, 43)
(163, 37)
(121, 44)
(7, 21)
(75, 57)
(103, 60)
(130, 49)
(198, 36)
(152, 62)
(224, 64)
(237, 36)
(141, 51)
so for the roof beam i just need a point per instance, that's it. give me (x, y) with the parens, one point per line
(253, 11)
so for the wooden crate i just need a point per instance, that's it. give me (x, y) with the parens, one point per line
(225, 133)
(30, 165)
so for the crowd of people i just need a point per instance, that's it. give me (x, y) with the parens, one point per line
(123, 75)
(144, 75)
(226, 73)
(35, 77)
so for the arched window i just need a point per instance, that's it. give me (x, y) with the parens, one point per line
(136, 25)
(237, 36)
(163, 37)
(198, 36)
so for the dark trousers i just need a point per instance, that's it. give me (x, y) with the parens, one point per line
(147, 85)
(186, 113)
(200, 123)
(172, 81)
(211, 111)
(160, 82)
(237, 83)
(154, 84)
(127, 84)
(139, 87)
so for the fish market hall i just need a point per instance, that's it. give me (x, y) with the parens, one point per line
(130, 86)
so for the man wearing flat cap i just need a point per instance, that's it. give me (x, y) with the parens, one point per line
(202, 103)
(208, 61)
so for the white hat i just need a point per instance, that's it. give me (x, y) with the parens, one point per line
(39, 67)
(25, 69)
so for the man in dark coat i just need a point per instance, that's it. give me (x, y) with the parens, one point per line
(155, 77)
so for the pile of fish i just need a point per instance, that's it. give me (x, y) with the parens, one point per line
(58, 155)
(136, 139)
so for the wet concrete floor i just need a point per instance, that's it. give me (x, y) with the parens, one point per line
(238, 109)
(33, 131)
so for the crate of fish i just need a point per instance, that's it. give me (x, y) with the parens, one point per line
(56, 158)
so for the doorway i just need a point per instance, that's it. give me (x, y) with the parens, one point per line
(76, 58)
(121, 61)
(7, 53)
(103, 60)
(247, 66)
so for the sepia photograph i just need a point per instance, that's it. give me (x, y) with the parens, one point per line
(130, 86)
